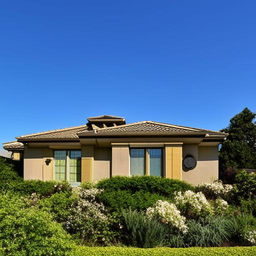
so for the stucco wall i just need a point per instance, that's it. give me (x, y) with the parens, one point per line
(35, 167)
(207, 164)
(120, 161)
(33, 163)
(102, 159)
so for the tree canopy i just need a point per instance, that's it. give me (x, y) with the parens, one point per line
(238, 151)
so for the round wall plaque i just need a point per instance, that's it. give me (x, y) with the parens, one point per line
(189, 162)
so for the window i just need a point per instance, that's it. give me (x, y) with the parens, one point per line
(155, 156)
(67, 165)
(137, 161)
(146, 161)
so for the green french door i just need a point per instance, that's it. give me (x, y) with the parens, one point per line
(67, 165)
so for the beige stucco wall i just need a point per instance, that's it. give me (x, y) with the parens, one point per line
(207, 164)
(120, 161)
(102, 163)
(33, 160)
(35, 167)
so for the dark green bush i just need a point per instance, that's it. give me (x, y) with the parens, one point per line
(58, 205)
(140, 231)
(162, 186)
(245, 185)
(29, 231)
(123, 199)
(241, 224)
(41, 188)
(7, 176)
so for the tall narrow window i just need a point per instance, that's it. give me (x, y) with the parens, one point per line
(67, 165)
(137, 161)
(75, 166)
(60, 165)
(155, 155)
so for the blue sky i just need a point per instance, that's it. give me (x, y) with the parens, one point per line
(178, 61)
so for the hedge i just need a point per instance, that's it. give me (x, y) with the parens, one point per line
(124, 251)
(162, 186)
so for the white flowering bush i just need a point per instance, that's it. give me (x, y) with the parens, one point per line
(168, 214)
(89, 219)
(193, 204)
(216, 189)
(250, 236)
(220, 206)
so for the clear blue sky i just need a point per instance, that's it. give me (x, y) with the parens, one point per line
(183, 62)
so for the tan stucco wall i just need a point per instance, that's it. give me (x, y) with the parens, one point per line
(120, 161)
(35, 167)
(102, 163)
(207, 164)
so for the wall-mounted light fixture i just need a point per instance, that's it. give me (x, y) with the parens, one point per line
(48, 161)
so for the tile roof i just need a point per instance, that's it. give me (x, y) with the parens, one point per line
(13, 145)
(59, 135)
(148, 128)
(144, 128)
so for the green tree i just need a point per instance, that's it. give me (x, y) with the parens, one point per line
(239, 149)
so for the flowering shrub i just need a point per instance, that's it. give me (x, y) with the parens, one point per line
(89, 220)
(168, 214)
(216, 189)
(220, 205)
(250, 236)
(193, 204)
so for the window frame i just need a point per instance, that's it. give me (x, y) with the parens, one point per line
(67, 166)
(147, 160)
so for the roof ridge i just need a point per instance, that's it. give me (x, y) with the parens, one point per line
(118, 126)
(159, 123)
(51, 131)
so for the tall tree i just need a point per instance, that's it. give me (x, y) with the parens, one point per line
(239, 149)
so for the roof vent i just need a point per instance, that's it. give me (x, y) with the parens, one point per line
(104, 121)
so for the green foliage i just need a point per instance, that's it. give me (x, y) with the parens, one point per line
(29, 231)
(162, 186)
(213, 231)
(7, 176)
(41, 188)
(245, 185)
(123, 199)
(58, 205)
(248, 206)
(142, 231)
(123, 251)
(242, 223)
(87, 185)
(238, 150)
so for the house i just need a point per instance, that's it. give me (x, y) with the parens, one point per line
(106, 146)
